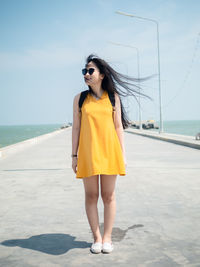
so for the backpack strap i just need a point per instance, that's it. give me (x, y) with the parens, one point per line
(83, 95)
(112, 100)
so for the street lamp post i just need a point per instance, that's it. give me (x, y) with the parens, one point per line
(138, 70)
(158, 49)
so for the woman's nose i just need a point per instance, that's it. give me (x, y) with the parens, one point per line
(86, 76)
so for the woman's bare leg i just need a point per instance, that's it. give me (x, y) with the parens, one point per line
(108, 197)
(91, 185)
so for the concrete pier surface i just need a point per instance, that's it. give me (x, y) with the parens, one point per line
(42, 210)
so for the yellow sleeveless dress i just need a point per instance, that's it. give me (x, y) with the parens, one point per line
(99, 150)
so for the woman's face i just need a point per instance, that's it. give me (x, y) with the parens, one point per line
(95, 78)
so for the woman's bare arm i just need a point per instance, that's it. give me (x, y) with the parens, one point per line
(118, 124)
(75, 125)
(75, 130)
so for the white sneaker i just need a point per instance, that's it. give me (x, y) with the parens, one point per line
(107, 247)
(96, 247)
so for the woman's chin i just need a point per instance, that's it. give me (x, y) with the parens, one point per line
(87, 82)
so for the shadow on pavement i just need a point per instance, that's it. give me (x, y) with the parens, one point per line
(54, 244)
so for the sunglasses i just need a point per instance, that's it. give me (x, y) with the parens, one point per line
(90, 71)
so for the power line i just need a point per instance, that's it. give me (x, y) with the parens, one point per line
(181, 88)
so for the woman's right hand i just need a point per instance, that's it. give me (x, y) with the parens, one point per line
(74, 164)
(125, 162)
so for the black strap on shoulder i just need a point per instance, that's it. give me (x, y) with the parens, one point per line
(82, 98)
(112, 98)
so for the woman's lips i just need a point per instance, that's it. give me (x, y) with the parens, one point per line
(87, 79)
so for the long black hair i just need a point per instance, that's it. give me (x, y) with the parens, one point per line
(111, 82)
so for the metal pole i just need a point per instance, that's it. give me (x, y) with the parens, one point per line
(140, 119)
(160, 99)
(159, 80)
(138, 70)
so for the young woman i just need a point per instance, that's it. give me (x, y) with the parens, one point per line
(98, 138)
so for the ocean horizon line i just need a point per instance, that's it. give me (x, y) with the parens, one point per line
(64, 123)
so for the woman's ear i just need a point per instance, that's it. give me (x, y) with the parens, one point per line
(102, 75)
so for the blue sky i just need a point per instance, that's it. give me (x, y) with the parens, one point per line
(44, 44)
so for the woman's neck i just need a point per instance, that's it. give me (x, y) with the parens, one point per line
(98, 91)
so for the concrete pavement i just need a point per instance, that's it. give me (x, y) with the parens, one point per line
(42, 213)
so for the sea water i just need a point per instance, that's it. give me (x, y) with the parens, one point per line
(183, 127)
(17, 133)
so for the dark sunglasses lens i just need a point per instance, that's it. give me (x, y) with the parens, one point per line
(84, 71)
(91, 71)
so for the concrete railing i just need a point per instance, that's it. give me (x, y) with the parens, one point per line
(179, 139)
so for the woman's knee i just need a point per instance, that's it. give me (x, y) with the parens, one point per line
(108, 197)
(91, 185)
(91, 197)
